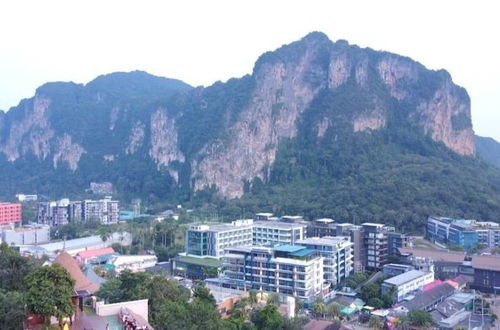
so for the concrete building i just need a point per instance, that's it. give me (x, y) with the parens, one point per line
(26, 198)
(464, 233)
(405, 283)
(288, 270)
(263, 217)
(34, 234)
(486, 273)
(104, 210)
(211, 240)
(337, 253)
(391, 270)
(65, 211)
(376, 245)
(322, 227)
(270, 233)
(10, 213)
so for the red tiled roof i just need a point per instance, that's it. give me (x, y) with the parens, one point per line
(71, 266)
(95, 253)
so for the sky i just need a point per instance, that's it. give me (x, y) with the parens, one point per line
(201, 42)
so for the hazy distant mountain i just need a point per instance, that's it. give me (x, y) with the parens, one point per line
(489, 149)
(320, 128)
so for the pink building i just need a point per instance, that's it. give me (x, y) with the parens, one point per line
(10, 213)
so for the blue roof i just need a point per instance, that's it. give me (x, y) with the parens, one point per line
(302, 253)
(289, 248)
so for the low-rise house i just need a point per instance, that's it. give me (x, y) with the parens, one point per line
(95, 256)
(430, 299)
(405, 283)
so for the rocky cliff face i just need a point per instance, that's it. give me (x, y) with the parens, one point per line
(238, 132)
(289, 79)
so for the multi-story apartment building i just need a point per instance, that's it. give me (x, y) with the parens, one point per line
(288, 270)
(211, 240)
(270, 233)
(322, 227)
(376, 243)
(396, 241)
(337, 253)
(464, 233)
(65, 211)
(26, 235)
(61, 213)
(10, 213)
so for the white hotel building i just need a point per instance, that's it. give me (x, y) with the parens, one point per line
(210, 240)
(337, 253)
(288, 270)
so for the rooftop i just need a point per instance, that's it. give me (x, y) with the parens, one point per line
(434, 255)
(71, 266)
(207, 262)
(72, 243)
(325, 220)
(405, 277)
(289, 248)
(302, 253)
(427, 298)
(326, 240)
(277, 224)
(486, 262)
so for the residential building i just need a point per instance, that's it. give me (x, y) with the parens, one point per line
(446, 264)
(61, 213)
(390, 270)
(396, 241)
(463, 233)
(486, 273)
(104, 210)
(322, 227)
(211, 240)
(26, 198)
(430, 299)
(375, 240)
(372, 242)
(405, 283)
(270, 233)
(337, 253)
(263, 216)
(10, 213)
(288, 270)
(26, 235)
(65, 211)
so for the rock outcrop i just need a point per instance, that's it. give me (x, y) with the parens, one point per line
(139, 118)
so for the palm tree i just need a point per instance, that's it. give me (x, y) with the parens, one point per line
(319, 307)
(333, 310)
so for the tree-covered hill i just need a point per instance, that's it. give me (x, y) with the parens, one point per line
(488, 149)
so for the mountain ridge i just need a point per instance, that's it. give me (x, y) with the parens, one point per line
(312, 111)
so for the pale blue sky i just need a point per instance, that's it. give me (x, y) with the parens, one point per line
(201, 42)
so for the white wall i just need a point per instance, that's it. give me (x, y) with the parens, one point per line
(140, 307)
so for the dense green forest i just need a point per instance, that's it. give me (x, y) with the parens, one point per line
(488, 149)
(395, 175)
